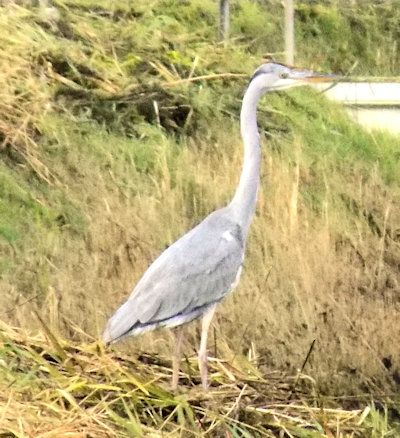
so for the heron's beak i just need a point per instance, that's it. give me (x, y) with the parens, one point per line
(302, 77)
(307, 76)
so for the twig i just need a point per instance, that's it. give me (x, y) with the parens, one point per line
(302, 369)
(204, 77)
(12, 309)
(248, 323)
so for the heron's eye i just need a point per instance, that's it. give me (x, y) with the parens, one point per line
(283, 75)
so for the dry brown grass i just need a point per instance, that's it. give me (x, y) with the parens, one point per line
(52, 388)
(24, 94)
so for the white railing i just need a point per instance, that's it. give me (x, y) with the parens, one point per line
(373, 104)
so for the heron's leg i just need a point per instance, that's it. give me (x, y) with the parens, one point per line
(208, 316)
(176, 359)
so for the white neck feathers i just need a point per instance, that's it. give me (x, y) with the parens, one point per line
(244, 201)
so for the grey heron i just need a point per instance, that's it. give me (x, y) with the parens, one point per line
(192, 276)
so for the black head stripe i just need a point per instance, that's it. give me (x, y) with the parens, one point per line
(258, 72)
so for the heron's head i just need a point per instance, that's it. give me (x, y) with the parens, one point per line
(273, 76)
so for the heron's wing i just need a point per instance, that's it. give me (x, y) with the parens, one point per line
(196, 271)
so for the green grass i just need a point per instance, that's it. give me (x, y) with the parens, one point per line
(108, 155)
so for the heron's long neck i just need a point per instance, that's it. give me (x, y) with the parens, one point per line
(244, 201)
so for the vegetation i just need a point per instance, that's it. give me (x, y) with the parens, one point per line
(65, 390)
(119, 131)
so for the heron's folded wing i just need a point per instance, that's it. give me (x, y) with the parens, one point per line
(197, 270)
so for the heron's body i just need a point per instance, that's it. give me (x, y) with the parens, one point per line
(176, 288)
(195, 273)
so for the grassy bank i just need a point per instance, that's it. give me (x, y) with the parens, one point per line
(60, 389)
(109, 154)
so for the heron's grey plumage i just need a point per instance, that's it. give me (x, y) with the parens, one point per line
(195, 273)
(177, 288)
